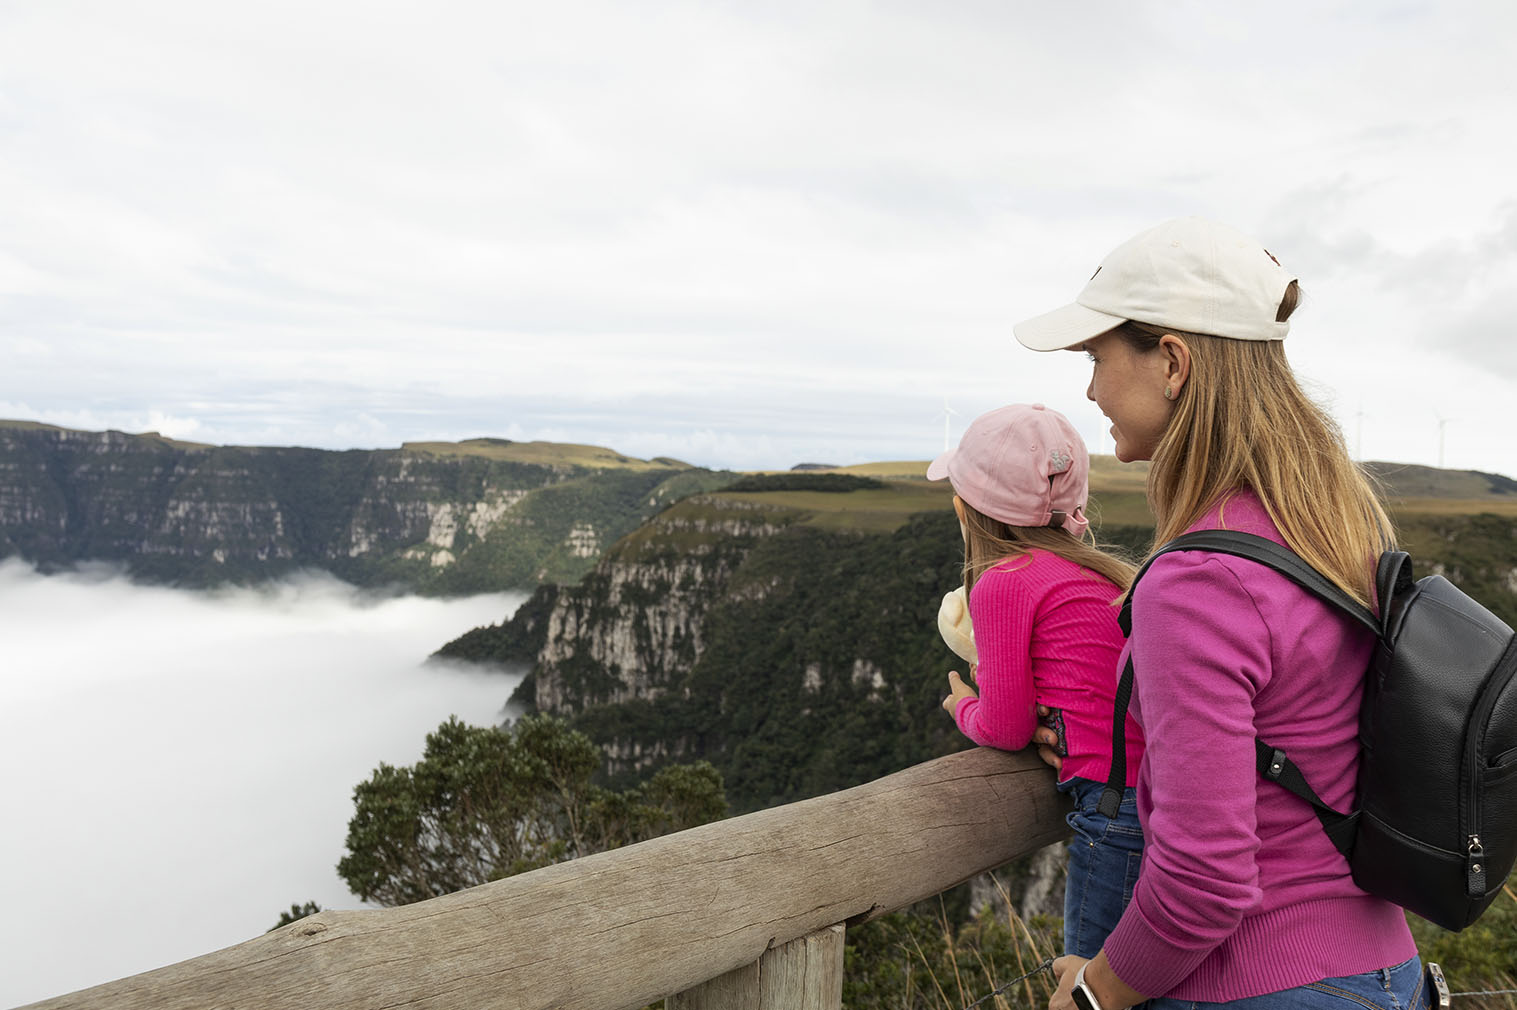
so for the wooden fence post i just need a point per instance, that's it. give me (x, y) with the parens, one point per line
(804, 974)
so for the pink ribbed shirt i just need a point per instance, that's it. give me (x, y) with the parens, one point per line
(1047, 633)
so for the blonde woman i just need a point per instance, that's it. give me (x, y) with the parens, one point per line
(1242, 898)
(1041, 600)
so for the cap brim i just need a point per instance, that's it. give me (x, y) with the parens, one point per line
(938, 468)
(1064, 328)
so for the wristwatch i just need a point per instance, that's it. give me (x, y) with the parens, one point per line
(1084, 998)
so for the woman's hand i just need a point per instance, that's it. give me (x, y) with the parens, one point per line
(1111, 992)
(958, 691)
(1047, 740)
(1064, 969)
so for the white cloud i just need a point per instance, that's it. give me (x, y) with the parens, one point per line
(213, 742)
(348, 225)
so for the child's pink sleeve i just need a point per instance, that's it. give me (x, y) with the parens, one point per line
(1004, 715)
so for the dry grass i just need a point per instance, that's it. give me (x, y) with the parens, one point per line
(29, 425)
(1106, 472)
(905, 469)
(970, 956)
(1119, 499)
(151, 436)
(1504, 506)
(544, 453)
(873, 510)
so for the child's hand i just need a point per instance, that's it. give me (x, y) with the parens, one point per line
(1048, 742)
(958, 691)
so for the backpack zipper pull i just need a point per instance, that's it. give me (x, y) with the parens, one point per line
(1475, 868)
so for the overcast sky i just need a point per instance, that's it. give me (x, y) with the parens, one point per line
(743, 234)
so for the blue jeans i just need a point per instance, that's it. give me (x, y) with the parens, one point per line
(1398, 988)
(1104, 856)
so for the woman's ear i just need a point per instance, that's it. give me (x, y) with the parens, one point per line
(1175, 362)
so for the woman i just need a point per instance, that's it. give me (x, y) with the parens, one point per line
(1242, 897)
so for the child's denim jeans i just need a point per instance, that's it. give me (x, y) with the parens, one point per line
(1104, 855)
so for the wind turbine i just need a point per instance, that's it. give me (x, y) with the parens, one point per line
(948, 413)
(1442, 423)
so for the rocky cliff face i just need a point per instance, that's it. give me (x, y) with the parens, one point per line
(198, 515)
(634, 627)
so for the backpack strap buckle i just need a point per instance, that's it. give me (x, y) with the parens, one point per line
(1274, 765)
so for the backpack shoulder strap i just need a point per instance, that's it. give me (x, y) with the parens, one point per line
(1272, 762)
(1265, 552)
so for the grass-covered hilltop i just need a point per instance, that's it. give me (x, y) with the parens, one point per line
(432, 517)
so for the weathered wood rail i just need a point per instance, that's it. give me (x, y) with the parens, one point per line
(746, 912)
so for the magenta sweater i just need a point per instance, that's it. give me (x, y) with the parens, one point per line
(1241, 893)
(1047, 633)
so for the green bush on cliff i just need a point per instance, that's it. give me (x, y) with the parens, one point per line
(485, 803)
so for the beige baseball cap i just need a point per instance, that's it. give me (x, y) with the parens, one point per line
(1190, 274)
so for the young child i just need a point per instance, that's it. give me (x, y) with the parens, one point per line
(1044, 621)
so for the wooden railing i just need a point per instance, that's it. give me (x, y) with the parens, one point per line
(746, 912)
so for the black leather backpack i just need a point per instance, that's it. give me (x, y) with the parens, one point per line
(1434, 827)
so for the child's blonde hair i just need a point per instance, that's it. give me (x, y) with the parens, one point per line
(989, 542)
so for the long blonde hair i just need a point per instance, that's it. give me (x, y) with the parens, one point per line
(1242, 421)
(988, 542)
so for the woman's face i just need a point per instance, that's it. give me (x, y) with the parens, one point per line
(1128, 385)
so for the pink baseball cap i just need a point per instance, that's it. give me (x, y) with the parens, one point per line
(1024, 465)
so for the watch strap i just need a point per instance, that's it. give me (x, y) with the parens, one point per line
(1084, 998)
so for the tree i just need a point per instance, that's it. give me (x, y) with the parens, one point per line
(486, 802)
(295, 914)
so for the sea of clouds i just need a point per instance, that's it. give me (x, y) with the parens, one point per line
(178, 766)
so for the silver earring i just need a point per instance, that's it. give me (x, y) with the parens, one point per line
(1169, 394)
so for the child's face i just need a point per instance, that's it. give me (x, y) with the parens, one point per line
(958, 510)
